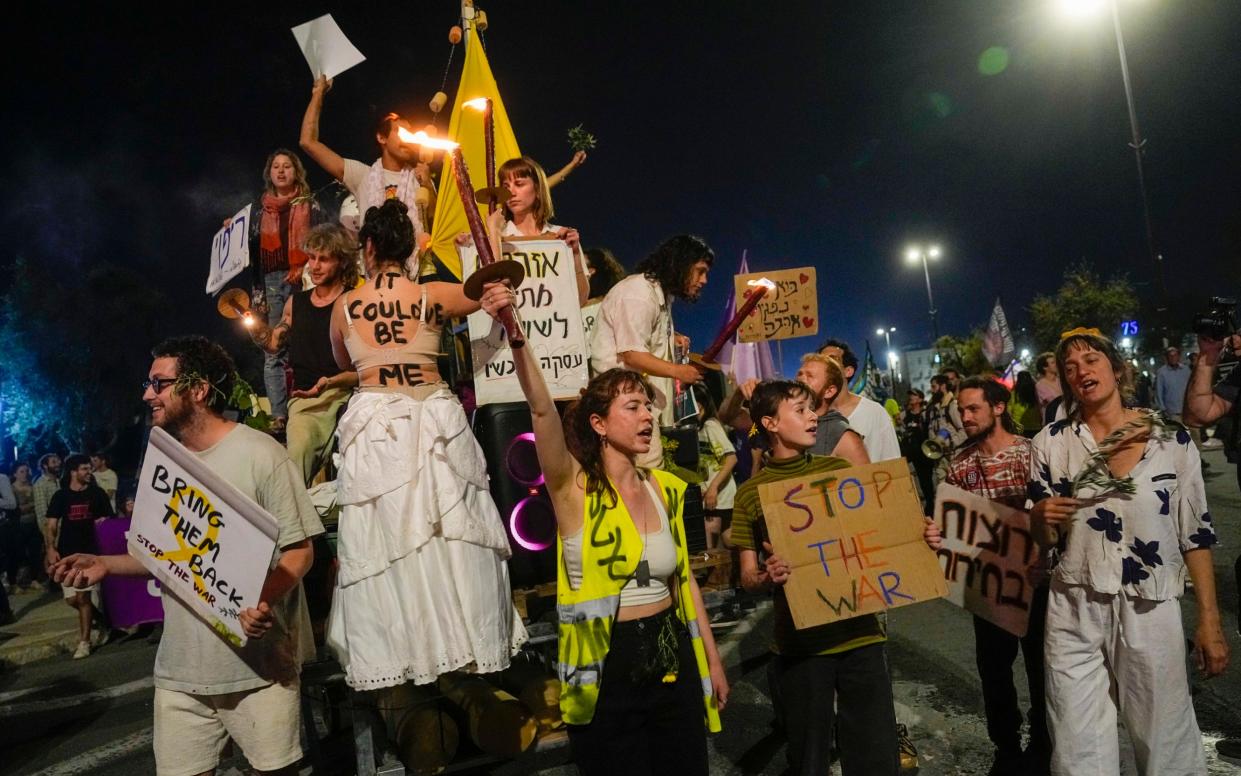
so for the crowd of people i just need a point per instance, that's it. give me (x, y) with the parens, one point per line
(352, 314)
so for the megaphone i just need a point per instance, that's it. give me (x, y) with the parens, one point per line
(933, 449)
(235, 303)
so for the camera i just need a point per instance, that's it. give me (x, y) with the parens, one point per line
(1218, 321)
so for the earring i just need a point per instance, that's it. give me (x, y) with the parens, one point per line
(603, 440)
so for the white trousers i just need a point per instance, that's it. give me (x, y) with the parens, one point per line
(1107, 653)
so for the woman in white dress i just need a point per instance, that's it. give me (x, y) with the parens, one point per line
(423, 587)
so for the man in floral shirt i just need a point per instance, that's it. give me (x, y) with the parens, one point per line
(1122, 492)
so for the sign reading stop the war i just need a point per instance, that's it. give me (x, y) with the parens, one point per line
(854, 541)
(204, 540)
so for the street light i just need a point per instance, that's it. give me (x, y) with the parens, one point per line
(1086, 8)
(913, 255)
(887, 339)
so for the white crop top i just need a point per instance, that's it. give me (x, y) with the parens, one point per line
(658, 550)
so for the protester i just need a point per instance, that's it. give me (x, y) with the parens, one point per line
(716, 460)
(1024, 407)
(104, 476)
(29, 536)
(634, 327)
(528, 213)
(944, 416)
(1170, 383)
(396, 174)
(827, 672)
(45, 487)
(71, 517)
(954, 378)
(995, 464)
(10, 535)
(1129, 508)
(320, 389)
(1047, 387)
(866, 416)
(913, 432)
(605, 272)
(640, 699)
(206, 689)
(826, 379)
(422, 587)
(558, 177)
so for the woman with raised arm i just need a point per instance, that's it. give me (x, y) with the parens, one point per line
(641, 679)
(423, 588)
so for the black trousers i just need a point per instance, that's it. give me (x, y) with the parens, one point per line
(995, 651)
(644, 726)
(864, 717)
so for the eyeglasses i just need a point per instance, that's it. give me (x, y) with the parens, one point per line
(159, 384)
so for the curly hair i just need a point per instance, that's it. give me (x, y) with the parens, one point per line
(607, 271)
(201, 360)
(334, 240)
(848, 359)
(390, 231)
(672, 261)
(299, 173)
(1124, 382)
(596, 399)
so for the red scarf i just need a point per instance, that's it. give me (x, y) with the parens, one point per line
(270, 239)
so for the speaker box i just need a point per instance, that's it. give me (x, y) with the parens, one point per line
(695, 521)
(507, 439)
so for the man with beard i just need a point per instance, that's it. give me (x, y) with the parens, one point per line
(634, 327)
(944, 423)
(995, 464)
(206, 689)
(320, 389)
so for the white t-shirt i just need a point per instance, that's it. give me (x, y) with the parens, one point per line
(873, 422)
(713, 446)
(192, 658)
(635, 317)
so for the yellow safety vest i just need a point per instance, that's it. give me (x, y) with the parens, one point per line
(611, 547)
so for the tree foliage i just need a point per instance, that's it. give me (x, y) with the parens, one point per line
(1083, 300)
(963, 354)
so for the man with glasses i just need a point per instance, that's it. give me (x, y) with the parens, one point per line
(207, 690)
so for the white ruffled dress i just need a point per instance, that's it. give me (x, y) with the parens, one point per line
(423, 586)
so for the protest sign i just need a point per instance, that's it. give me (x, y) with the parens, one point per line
(986, 558)
(547, 305)
(230, 251)
(590, 315)
(327, 50)
(129, 601)
(853, 539)
(791, 309)
(207, 542)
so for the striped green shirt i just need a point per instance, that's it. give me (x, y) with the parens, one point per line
(839, 636)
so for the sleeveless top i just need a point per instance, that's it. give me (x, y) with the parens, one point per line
(832, 426)
(310, 342)
(422, 350)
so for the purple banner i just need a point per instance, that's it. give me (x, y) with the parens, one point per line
(128, 601)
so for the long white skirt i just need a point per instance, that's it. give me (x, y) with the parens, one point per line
(423, 588)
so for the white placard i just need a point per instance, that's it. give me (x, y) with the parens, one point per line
(547, 304)
(201, 537)
(327, 50)
(230, 251)
(986, 557)
(590, 316)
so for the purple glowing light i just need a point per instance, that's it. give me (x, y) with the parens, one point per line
(529, 533)
(522, 462)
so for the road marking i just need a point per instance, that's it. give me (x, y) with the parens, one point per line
(85, 699)
(92, 760)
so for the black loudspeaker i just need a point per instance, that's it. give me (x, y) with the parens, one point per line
(507, 439)
(694, 518)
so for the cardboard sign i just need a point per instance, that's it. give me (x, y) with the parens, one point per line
(547, 306)
(986, 558)
(230, 251)
(791, 309)
(853, 539)
(130, 601)
(590, 314)
(204, 540)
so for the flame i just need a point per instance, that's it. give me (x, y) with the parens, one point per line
(247, 320)
(423, 139)
(764, 282)
(478, 103)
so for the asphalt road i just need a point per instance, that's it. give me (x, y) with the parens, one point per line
(93, 716)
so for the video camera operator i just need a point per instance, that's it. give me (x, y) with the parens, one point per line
(1207, 402)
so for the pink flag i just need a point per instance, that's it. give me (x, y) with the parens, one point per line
(744, 360)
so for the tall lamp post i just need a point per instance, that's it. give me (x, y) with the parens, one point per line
(1081, 8)
(913, 255)
(887, 339)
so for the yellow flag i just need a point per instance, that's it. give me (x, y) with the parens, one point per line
(465, 126)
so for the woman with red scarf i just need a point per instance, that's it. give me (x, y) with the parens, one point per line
(279, 222)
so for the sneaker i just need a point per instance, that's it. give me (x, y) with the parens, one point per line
(82, 651)
(905, 745)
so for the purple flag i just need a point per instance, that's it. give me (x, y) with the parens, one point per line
(129, 601)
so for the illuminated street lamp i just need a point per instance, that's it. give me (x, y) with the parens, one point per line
(913, 255)
(1081, 9)
(887, 339)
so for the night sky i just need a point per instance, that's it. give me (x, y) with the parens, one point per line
(824, 135)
